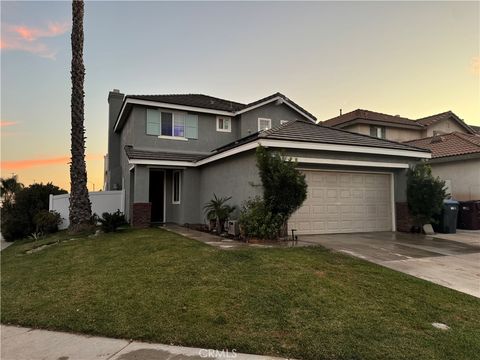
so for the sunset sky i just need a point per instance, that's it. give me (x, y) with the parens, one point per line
(413, 59)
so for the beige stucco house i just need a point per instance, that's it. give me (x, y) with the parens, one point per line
(455, 145)
(398, 128)
(455, 159)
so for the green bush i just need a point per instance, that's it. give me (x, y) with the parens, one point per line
(46, 222)
(425, 194)
(257, 221)
(18, 218)
(110, 222)
(284, 186)
(217, 209)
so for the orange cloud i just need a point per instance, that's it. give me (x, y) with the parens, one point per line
(25, 38)
(476, 65)
(26, 164)
(7, 123)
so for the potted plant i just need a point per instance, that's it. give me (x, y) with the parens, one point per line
(217, 210)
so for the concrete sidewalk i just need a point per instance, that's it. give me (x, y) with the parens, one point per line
(19, 343)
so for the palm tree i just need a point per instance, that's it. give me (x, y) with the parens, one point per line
(80, 207)
(9, 187)
(217, 209)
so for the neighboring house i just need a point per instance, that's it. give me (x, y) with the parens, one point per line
(397, 128)
(455, 159)
(172, 153)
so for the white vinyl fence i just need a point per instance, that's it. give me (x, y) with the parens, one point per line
(102, 201)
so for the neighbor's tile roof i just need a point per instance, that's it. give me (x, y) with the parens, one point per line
(452, 144)
(475, 128)
(308, 132)
(429, 120)
(133, 153)
(370, 115)
(196, 100)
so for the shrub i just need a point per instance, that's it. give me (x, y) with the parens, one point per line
(257, 221)
(110, 222)
(217, 209)
(284, 191)
(284, 186)
(46, 222)
(18, 218)
(425, 194)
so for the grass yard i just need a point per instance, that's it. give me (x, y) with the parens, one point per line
(306, 303)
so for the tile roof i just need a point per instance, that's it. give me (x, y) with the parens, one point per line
(308, 132)
(452, 144)
(284, 98)
(210, 102)
(429, 120)
(197, 100)
(370, 115)
(475, 128)
(133, 153)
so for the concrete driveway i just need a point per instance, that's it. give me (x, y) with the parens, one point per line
(453, 261)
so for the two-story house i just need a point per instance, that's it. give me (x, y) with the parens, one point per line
(171, 153)
(398, 128)
(455, 146)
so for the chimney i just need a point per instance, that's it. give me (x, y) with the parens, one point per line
(114, 170)
(340, 112)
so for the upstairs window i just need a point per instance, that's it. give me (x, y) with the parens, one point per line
(377, 131)
(175, 125)
(224, 124)
(264, 124)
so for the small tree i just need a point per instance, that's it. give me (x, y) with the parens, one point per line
(218, 210)
(284, 191)
(284, 186)
(18, 219)
(9, 187)
(425, 194)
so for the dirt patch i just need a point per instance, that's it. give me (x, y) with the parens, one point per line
(154, 354)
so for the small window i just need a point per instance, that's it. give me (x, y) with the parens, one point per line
(224, 124)
(176, 187)
(283, 122)
(167, 123)
(264, 124)
(377, 131)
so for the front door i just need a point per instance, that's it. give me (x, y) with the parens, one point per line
(157, 194)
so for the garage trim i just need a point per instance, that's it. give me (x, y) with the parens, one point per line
(392, 186)
(307, 160)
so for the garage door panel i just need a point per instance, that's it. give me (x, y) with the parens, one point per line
(340, 202)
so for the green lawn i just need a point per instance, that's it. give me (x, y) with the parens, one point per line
(307, 303)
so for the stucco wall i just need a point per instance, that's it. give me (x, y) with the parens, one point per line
(464, 176)
(445, 126)
(208, 136)
(391, 133)
(273, 111)
(235, 176)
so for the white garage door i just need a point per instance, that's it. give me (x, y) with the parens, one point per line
(344, 202)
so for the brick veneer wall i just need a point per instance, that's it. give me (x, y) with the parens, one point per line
(141, 215)
(404, 219)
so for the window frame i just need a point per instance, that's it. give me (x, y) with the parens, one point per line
(160, 135)
(179, 200)
(223, 128)
(375, 129)
(262, 119)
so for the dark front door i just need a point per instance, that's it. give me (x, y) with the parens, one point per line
(156, 194)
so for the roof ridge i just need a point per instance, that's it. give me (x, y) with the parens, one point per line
(467, 137)
(368, 136)
(189, 94)
(430, 116)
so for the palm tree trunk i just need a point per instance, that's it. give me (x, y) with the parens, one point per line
(80, 207)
